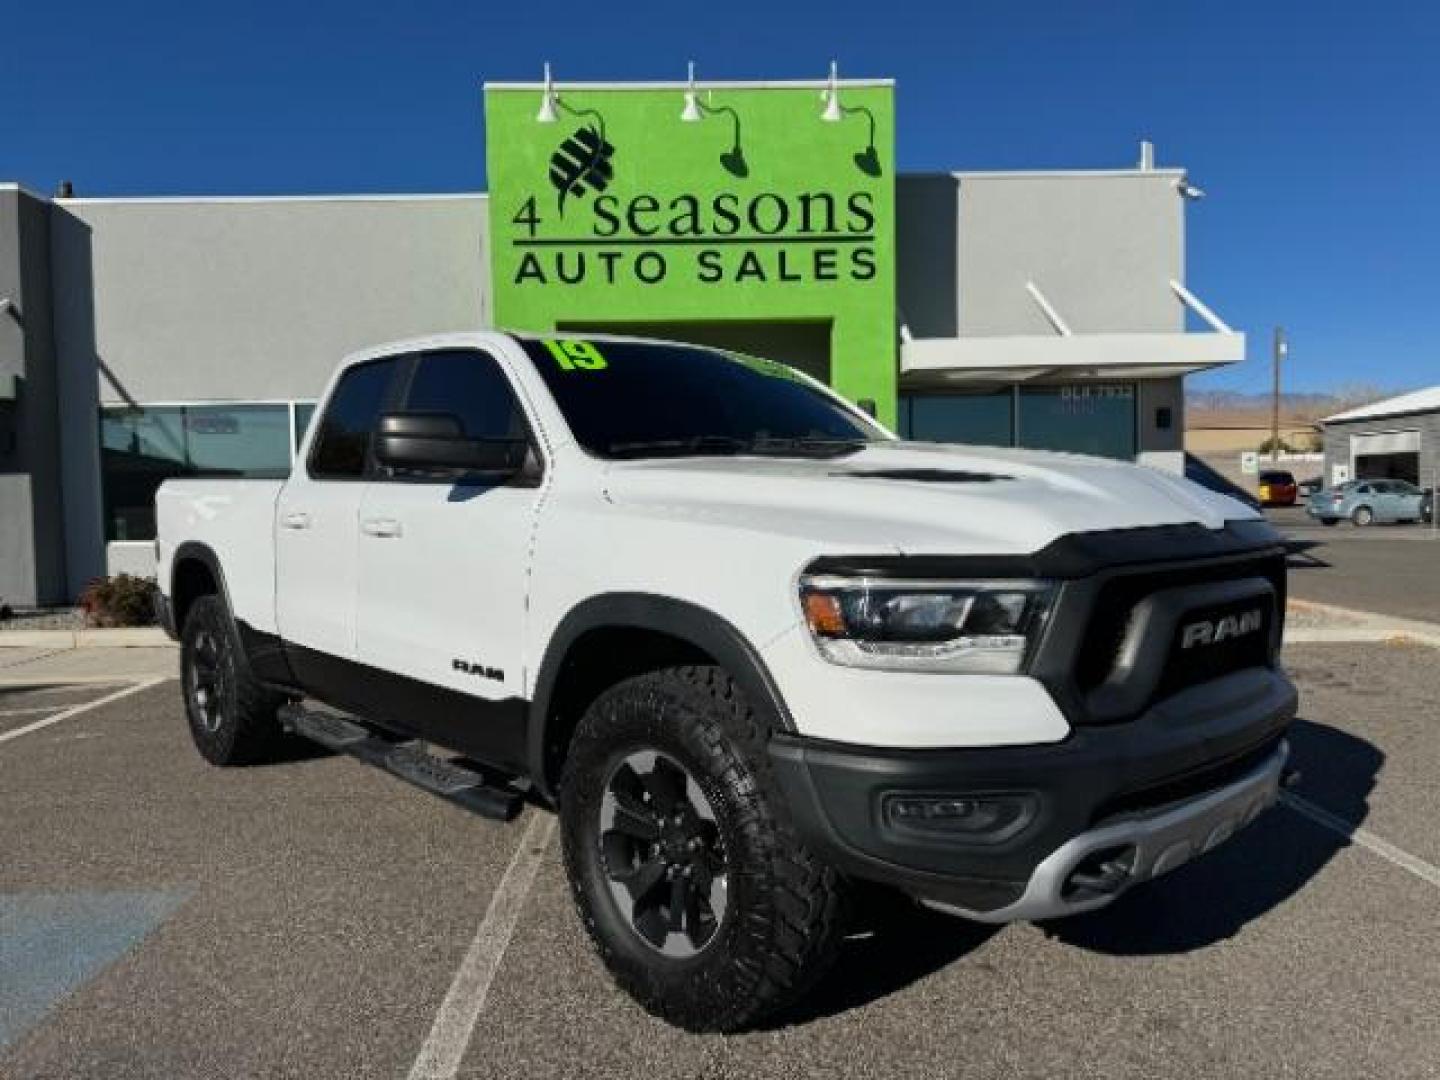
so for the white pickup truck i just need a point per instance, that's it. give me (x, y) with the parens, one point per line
(748, 644)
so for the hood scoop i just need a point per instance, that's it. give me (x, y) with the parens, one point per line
(925, 476)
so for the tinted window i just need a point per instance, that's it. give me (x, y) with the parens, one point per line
(343, 442)
(1270, 477)
(982, 419)
(471, 386)
(641, 399)
(141, 447)
(1086, 418)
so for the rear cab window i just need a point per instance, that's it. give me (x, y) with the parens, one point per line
(341, 449)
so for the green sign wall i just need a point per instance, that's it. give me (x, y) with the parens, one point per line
(759, 210)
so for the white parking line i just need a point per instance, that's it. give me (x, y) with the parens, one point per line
(76, 710)
(28, 712)
(449, 1037)
(1386, 850)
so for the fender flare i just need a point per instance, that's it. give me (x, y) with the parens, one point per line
(195, 551)
(690, 623)
(264, 651)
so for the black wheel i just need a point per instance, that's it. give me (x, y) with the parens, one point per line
(1363, 516)
(232, 714)
(1329, 521)
(698, 896)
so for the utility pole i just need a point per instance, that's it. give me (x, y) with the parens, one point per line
(1281, 348)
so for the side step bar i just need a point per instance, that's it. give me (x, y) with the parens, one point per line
(407, 760)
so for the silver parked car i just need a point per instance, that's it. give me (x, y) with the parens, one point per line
(1367, 501)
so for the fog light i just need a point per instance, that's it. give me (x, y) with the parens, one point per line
(976, 817)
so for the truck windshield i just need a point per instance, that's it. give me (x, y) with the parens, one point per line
(627, 399)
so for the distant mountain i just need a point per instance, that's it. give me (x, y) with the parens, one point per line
(1232, 406)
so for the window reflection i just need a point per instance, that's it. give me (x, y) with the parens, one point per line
(140, 447)
(1083, 418)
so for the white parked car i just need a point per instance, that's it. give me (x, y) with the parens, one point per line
(746, 643)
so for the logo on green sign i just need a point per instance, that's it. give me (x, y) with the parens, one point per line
(582, 160)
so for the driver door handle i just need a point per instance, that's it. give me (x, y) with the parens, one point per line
(295, 521)
(381, 527)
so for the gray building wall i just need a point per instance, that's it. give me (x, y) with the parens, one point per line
(1337, 437)
(1155, 395)
(173, 300)
(1102, 247)
(32, 535)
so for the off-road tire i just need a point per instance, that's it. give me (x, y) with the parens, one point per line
(1363, 516)
(244, 728)
(785, 908)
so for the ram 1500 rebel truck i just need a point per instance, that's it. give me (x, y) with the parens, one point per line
(751, 647)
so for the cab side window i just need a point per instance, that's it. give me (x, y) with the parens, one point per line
(342, 443)
(471, 386)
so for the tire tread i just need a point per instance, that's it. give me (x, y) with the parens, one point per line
(806, 896)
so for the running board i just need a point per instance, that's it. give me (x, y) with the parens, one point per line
(410, 761)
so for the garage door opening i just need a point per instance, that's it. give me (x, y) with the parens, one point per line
(1386, 455)
(1388, 467)
(804, 345)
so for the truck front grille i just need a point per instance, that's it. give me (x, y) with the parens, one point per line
(1114, 604)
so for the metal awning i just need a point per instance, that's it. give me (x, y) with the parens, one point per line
(1070, 355)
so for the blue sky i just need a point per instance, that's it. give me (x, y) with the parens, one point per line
(1312, 126)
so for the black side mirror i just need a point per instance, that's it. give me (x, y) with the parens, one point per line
(437, 441)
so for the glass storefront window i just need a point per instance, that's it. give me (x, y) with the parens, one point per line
(142, 447)
(982, 419)
(1083, 418)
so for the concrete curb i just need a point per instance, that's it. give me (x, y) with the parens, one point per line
(1360, 626)
(122, 637)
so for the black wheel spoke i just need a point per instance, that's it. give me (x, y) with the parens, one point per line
(699, 920)
(634, 818)
(661, 849)
(627, 784)
(666, 785)
(679, 897)
(642, 879)
(652, 926)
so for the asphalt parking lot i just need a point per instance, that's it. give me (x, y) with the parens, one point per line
(1391, 569)
(161, 918)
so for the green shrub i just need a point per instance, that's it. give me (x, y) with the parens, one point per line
(122, 600)
(1269, 446)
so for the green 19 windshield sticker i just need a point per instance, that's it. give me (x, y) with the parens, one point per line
(575, 355)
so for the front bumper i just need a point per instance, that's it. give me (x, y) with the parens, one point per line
(1114, 857)
(1126, 801)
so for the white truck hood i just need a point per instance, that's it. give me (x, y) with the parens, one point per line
(918, 498)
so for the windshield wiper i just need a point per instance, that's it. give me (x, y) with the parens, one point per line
(728, 445)
(807, 445)
(693, 445)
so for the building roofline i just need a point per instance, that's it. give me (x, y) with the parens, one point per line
(1426, 400)
(700, 84)
(1172, 173)
(161, 199)
(461, 196)
(11, 185)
